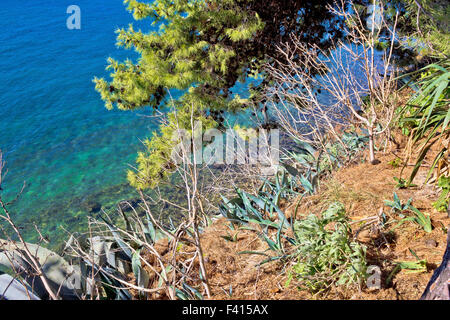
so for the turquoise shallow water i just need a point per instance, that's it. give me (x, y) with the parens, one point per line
(54, 130)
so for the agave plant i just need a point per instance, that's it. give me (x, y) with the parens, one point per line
(401, 208)
(311, 162)
(355, 142)
(63, 277)
(108, 261)
(247, 208)
(308, 159)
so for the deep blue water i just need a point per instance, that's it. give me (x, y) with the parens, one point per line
(54, 130)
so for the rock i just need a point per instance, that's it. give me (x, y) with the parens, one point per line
(431, 243)
(91, 206)
(375, 162)
(128, 205)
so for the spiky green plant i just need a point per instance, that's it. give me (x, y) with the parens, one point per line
(404, 208)
(427, 115)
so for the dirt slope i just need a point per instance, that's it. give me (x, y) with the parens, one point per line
(362, 188)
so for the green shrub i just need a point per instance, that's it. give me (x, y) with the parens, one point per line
(326, 255)
(442, 203)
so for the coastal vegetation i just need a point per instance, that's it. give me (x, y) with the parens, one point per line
(359, 93)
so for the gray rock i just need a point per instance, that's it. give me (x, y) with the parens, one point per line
(431, 243)
(128, 205)
(91, 206)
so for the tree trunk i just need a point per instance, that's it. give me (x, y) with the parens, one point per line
(439, 286)
(372, 147)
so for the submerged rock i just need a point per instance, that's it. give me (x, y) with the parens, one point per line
(128, 205)
(91, 206)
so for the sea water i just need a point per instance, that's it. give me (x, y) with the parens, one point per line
(55, 133)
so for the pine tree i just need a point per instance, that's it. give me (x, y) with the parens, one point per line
(203, 48)
(426, 23)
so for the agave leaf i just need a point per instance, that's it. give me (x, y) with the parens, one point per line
(11, 289)
(248, 205)
(113, 287)
(122, 244)
(436, 160)
(446, 120)
(60, 274)
(306, 184)
(142, 278)
(149, 230)
(420, 265)
(272, 245)
(389, 203)
(181, 294)
(261, 203)
(264, 222)
(102, 251)
(396, 198)
(279, 243)
(411, 266)
(280, 213)
(422, 220)
(305, 146)
(443, 83)
(270, 260)
(194, 291)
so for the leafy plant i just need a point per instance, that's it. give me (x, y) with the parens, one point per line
(355, 142)
(401, 183)
(411, 267)
(325, 253)
(443, 202)
(399, 207)
(396, 163)
(256, 209)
